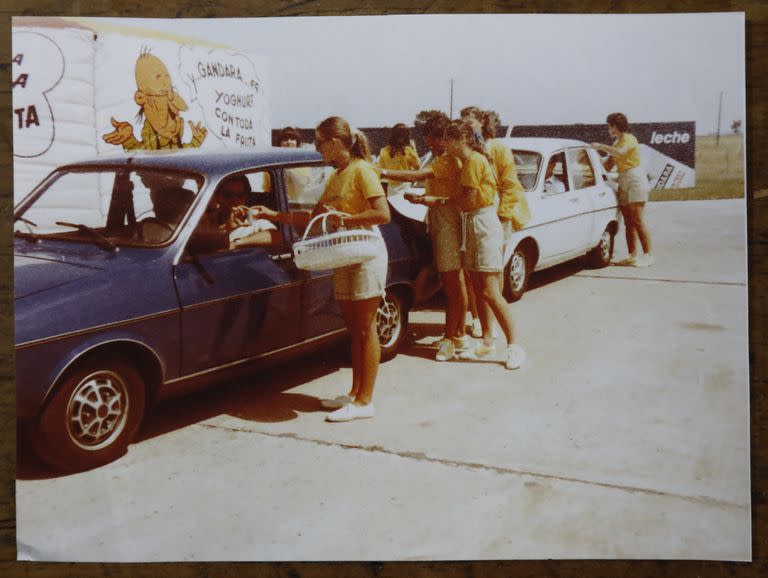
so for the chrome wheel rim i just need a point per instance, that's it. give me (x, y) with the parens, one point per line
(388, 321)
(605, 246)
(97, 410)
(517, 271)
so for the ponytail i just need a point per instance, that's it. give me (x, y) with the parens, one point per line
(353, 139)
(360, 147)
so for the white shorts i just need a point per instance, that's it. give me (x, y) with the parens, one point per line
(363, 281)
(483, 240)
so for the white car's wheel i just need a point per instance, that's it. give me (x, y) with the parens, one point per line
(601, 255)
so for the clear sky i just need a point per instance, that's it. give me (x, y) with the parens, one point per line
(531, 69)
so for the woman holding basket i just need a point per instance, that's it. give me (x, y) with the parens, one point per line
(353, 188)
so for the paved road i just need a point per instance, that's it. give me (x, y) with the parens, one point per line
(626, 435)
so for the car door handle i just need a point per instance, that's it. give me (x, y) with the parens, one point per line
(281, 256)
(574, 199)
(602, 194)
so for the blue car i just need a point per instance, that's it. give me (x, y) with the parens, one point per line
(127, 291)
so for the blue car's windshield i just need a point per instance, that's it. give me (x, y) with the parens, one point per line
(123, 206)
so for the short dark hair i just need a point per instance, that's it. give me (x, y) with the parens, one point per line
(289, 133)
(436, 125)
(619, 120)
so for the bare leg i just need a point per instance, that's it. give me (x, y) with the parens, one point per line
(629, 228)
(638, 210)
(488, 287)
(456, 307)
(471, 298)
(362, 315)
(347, 312)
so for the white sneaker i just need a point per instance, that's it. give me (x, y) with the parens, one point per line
(336, 402)
(446, 351)
(628, 262)
(645, 260)
(351, 411)
(477, 329)
(515, 356)
(461, 343)
(482, 352)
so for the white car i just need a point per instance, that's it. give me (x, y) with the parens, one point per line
(573, 208)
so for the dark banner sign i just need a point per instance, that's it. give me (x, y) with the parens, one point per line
(676, 140)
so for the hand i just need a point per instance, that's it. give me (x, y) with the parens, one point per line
(596, 145)
(412, 198)
(334, 221)
(262, 212)
(240, 216)
(199, 132)
(123, 131)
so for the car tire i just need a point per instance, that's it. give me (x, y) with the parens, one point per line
(516, 275)
(601, 255)
(93, 415)
(391, 324)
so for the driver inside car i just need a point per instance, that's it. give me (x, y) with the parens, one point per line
(228, 215)
(170, 202)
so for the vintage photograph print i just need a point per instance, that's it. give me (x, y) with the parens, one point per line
(381, 288)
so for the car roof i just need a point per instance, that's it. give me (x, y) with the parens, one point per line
(217, 162)
(541, 145)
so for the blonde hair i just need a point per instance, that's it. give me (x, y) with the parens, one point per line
(354, 140)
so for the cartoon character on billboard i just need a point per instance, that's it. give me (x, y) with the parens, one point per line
(159, 107)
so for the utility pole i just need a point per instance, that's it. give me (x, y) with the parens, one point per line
(451, 109)
(719, 115)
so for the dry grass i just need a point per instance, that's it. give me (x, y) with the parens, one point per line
(719, 171)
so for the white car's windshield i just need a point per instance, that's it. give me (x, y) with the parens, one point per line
(109, 206)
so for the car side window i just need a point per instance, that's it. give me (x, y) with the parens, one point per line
(581, 169)
(556, 175)
(304, 185)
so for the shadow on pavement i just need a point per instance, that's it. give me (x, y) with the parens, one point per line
(260, 397)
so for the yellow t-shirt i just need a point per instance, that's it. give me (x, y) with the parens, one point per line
(632, 158)
(511, 191)
(445, 183)
(349, 190)
(407, 161)
(479, 183)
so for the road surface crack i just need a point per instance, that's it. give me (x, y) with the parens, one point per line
(476, 466)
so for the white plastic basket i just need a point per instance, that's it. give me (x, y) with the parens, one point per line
(335, 250)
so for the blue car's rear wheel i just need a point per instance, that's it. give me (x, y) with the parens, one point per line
(93, 415)
(391, 324)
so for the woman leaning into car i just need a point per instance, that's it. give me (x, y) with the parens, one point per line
(633, 187)
(353, 188)
(398, 155)
(483, 239)
(442, 185)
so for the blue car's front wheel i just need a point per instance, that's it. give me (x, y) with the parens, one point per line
(92, 416)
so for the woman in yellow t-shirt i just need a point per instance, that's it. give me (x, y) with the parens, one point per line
(483, 241)
(513, 211)
(442, 186)
(354, 188)
(398, 155)
(633, 187)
